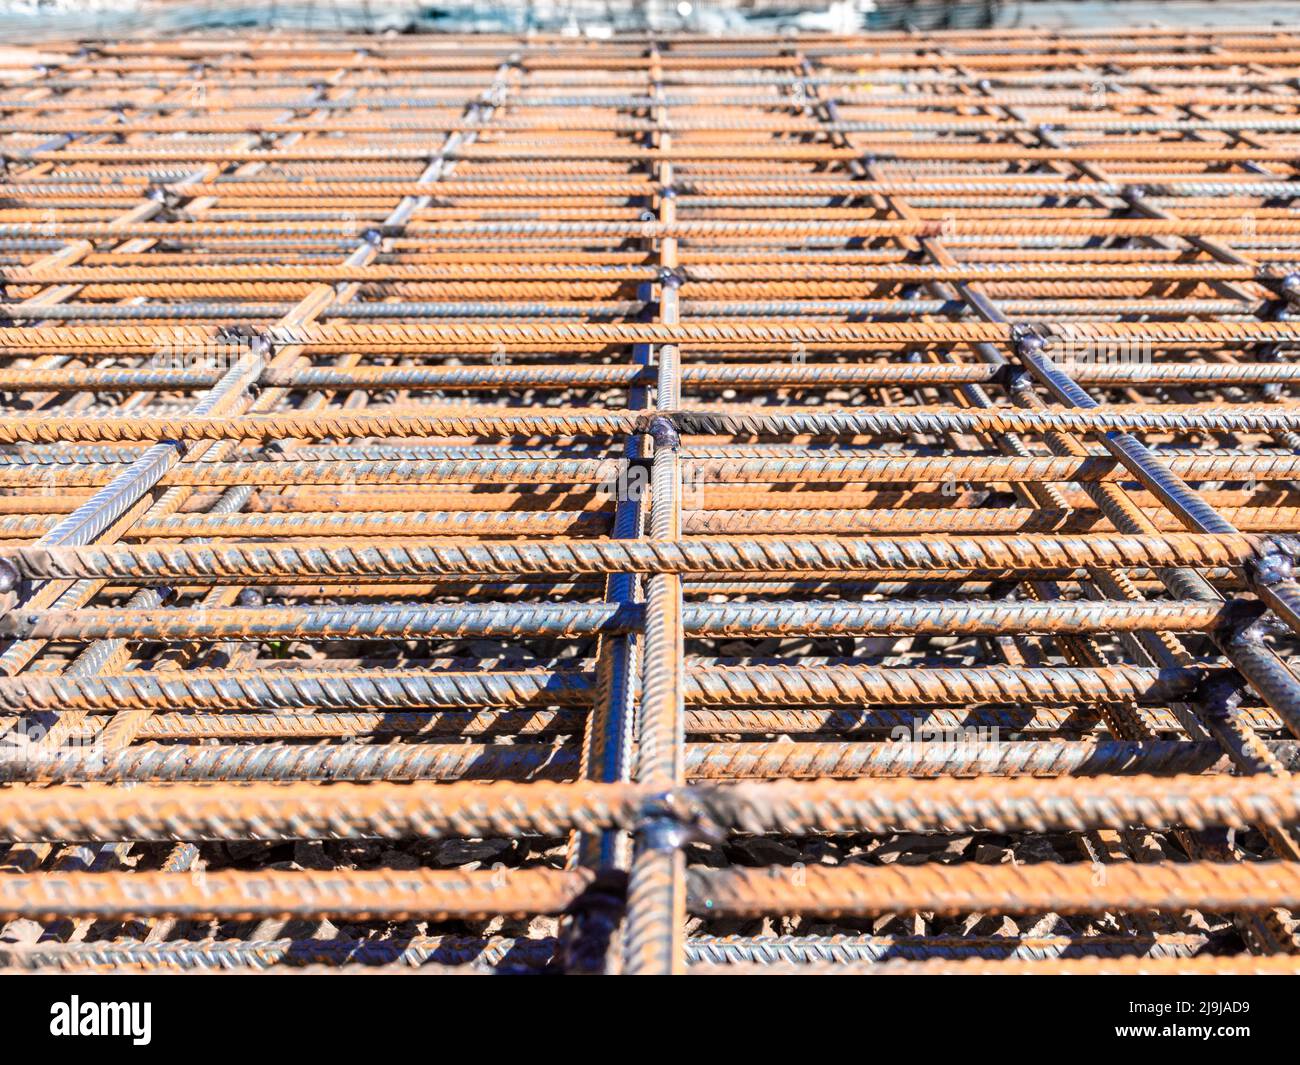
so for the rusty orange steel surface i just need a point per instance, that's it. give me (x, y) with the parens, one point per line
(653, 504)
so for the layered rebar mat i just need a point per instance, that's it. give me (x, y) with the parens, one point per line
(652, 504)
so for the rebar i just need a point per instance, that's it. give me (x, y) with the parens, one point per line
(633, 492)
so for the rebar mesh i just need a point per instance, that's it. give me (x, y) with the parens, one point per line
(528, 503)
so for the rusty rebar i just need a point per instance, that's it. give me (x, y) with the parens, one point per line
(700, 455)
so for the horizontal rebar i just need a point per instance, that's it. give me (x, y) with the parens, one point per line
(540, 761)
(396, 811)
(783, 686)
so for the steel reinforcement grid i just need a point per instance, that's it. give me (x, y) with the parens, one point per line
(651, 505)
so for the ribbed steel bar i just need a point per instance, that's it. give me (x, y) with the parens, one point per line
(855, 423)
(510, 955)
(880, 720)
(352, 894)
(67, 469)
(714, 760)
(781, 686)
(826, 892)
(812, 618)
(412, 557)
(262, 811)
(1211, 965)
(1047, 887)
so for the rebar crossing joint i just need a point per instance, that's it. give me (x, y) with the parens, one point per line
(1243, 623)
(1273, 565)
(670, 278)
(663, 432)
(10, 578)
(164, 195)
(1219, 695)
(1028, 343)
(671, 819)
